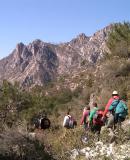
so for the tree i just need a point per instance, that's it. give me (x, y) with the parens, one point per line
(119, 40)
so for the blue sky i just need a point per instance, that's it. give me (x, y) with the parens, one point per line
(55, 20)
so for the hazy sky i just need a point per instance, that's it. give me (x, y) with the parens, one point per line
(55, 20)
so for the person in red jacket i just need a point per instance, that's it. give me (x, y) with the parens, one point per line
(115, 96)
(84, 119)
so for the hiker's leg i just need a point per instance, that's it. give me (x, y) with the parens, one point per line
(110, 121)
(85, 126)
(75, 124)
(116, 117)
(97, 129)
(117, 121)
(92, 127)
(120, 120)
(105, 120)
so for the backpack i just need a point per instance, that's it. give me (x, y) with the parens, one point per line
(71, 123)
(97, 118)
(45, 123)
(113, 106)
(118, 106)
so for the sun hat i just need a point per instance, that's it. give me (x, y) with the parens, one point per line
(114, 93)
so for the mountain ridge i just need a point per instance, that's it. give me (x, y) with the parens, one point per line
(40, 62)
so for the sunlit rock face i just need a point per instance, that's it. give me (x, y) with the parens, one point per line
(39, 63)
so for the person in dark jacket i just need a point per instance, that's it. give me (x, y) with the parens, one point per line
(44, 122)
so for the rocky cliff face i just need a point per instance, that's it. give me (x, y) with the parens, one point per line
(40, 62)
(33, 64)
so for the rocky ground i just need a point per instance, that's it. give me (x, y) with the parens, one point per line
(118, 149)
(101, 150)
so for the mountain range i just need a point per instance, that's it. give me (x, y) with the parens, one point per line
(39, 62)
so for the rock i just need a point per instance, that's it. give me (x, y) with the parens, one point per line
(126, 125)
(74, 154)
(112, 151)
(87, 155)
(32, 135)
(103, 129)
(84, 150)
(88, 148)
(99, 143)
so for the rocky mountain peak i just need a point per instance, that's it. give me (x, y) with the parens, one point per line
(19, 47)
(40, 62)
(82, 37)
(38, 42)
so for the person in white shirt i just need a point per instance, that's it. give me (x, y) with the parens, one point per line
(66, 120)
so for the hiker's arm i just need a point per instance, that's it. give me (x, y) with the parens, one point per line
(107, 106)
(82, 119)
(126, 108)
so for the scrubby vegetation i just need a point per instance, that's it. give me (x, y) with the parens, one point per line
(119, 41)
(18, 107)
(115, 66)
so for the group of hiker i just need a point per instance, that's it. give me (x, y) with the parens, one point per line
(115, 112)
(93, 118)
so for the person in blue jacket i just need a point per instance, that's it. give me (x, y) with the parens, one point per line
(119, 109)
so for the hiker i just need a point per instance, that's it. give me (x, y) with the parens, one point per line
(119, 110)
(109, 115)
(69, 122)
(95, 119)
(44, 122)
(85, 116)
(115, 96)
